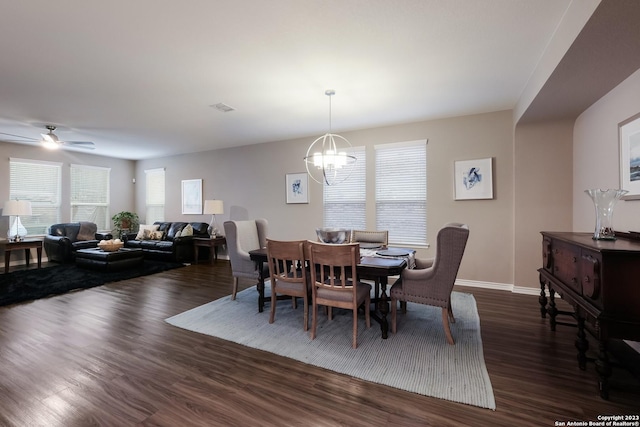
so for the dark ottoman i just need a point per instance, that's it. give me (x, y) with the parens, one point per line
(98, 259)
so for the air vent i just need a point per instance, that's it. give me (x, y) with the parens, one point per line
(223, 107)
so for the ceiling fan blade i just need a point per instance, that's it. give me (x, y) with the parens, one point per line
(88, 145)
(18, 136)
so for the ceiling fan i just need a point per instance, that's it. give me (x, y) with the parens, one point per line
(51, 141)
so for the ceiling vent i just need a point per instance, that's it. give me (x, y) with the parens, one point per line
(223, 107)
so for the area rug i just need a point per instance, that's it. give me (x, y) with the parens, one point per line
(26, 285)
(417, 358)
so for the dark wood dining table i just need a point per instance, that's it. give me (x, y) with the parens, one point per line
(370, 266)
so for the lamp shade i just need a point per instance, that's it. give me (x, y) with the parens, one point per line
(17, 208)
(213, 207)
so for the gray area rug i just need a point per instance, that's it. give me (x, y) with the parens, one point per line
(417, 358)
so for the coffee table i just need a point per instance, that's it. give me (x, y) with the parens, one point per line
(98, 259)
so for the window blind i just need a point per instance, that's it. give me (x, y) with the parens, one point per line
(401, 191)
(90, 195)
(345, 203)
(38, 182)
(154, 195)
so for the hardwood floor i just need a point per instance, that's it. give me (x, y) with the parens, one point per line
(104, 356)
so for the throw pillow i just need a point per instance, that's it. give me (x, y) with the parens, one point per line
(157, 235)
(87, 231)
(187, 230)
(178, 234)
(144, 233)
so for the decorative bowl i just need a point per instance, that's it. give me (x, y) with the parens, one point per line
(110, 247)
(333, 235)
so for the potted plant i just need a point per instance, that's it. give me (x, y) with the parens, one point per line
(125, 221)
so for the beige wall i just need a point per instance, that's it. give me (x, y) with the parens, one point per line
(250, 181)
(543, 188)
(596, 155)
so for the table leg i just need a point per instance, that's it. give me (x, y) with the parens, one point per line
(195, 254)
(260, 286)
(7, 257)
(543, 298)
(383, 306)
(27, 255)
(552, 310)
(603, 367)
(581, 344)
(39, 250)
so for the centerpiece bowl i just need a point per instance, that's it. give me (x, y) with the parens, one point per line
(110, 246)
(333, 235)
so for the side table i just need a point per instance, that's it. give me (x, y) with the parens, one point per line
(27, 245)
(211, 243)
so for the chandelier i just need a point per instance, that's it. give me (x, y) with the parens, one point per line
(327, 159)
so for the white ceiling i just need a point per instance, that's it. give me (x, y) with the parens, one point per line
(139, 77)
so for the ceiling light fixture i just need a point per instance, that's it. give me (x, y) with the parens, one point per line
(50, 140)
(327, 160)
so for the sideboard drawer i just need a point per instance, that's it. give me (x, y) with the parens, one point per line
(566, 265)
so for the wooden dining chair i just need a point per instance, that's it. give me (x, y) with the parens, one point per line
(288, 274)
(335, 283)
(431, 282)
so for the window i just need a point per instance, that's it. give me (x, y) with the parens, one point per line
(401, 191)
(39, 182)
(90, 195)
(154, 195)
(345, 203)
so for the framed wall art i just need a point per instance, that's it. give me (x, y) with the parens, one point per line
(192, 196)
(473, 179)
(297, 187)
(629, 132)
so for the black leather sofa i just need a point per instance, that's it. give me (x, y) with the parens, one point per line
(63, 240)
(169, 247)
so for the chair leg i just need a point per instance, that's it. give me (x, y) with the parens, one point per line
(367, 311)
(354, 344)
(235, 288)
(394, 314)
(451, 318)
(294, 302)
(274, 300)
(445, 323)
(314, 319)
(306, 313)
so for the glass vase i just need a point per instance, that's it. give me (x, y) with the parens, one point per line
(605, 201)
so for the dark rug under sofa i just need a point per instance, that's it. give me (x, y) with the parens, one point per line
(27, 285)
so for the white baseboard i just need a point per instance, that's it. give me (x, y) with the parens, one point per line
(498, 286)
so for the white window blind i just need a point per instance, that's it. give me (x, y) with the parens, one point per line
(39, 182)
(401, 191)
(154, 195)
(345, 203)
(90, 195)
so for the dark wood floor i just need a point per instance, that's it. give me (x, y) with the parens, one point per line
(104, 356)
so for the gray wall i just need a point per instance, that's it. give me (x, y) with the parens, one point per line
(122, 172)
(596, 155)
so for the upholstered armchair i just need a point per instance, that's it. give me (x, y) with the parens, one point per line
(242, 237)
(431, 282)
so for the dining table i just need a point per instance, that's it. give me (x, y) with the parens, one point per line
(371, 266)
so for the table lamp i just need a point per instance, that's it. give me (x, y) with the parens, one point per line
(17, 231)
(213, 207)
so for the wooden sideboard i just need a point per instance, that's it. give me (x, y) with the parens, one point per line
(600, 279)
